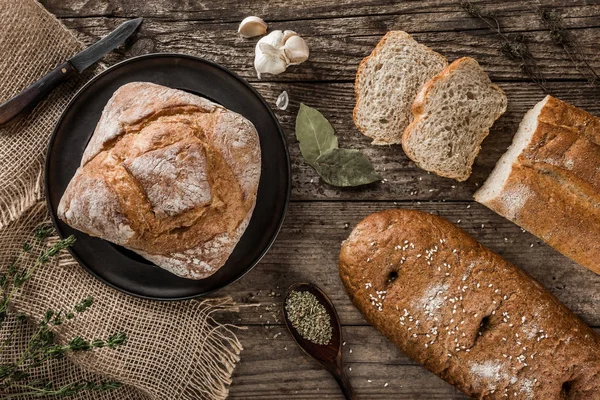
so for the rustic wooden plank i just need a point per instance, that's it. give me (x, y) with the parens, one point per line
(291, 381)
(338, 45)
(278, 10)
(272, 365)
(307, 249)
(363, 344)
(300, 378)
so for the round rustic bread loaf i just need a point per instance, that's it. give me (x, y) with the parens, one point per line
(169, 175)
(466, 314)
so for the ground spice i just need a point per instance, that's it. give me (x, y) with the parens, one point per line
(309, 317)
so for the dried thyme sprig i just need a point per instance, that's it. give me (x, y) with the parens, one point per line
(514, 47)
(20, 276)
(561, 36)
(15, 377)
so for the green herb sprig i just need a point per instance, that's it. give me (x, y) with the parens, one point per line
(514, 47)
(15, 377)
(46, 388)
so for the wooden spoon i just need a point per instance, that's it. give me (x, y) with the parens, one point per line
(329, 355)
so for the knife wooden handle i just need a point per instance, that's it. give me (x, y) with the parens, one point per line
(35, 92)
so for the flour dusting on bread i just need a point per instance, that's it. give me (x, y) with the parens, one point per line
(469, 316)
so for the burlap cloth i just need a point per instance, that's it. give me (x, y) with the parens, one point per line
(175, 350)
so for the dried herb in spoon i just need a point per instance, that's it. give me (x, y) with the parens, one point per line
(309, 317)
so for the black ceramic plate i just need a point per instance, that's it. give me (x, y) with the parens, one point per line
(123, 269)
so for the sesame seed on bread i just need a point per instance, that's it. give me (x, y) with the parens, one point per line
(466, 314)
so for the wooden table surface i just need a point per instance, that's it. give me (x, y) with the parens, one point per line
(340, 33)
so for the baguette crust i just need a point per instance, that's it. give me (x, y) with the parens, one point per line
(169, 175)
(466, 314)
(361, 72)
(419, 107)
(553, 189)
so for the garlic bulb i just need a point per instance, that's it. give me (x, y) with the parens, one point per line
(276, 51)
(269, 59)
(252, 26)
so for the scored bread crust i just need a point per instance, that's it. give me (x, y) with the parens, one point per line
(466, 314)
(169, 175)
(548, 182)
(419, 113)
(361, 73)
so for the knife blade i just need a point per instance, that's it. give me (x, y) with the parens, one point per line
(89, 56)
(33, 94)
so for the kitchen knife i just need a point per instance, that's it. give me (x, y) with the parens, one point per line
(34, 93)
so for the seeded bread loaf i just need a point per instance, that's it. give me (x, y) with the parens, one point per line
(387, 82)
(169, 175)
(453, 113)
(548, 182)
(466, 314)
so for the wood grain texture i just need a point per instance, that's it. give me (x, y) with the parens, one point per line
(289, 10)
(273, 363)
(340, 33)
(338, 45)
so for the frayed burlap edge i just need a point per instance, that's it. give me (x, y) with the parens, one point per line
(21, 195)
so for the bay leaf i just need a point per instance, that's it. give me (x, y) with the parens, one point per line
(315, 133)
(345, 167)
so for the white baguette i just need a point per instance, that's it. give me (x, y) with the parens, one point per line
(548, 182)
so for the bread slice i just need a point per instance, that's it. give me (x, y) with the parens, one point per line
(387, 82)
(548, 182)
(453, 113)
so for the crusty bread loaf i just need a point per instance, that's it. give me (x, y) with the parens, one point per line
(169, 175)
(548, 182)
(453, 113)
(387, 82)
(469, 316)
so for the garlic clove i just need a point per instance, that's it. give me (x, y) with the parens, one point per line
(252, 26)
(288, 34)
(274, 38)
(269, 59)
(282, 101)
(269, 50)
(296, 50)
